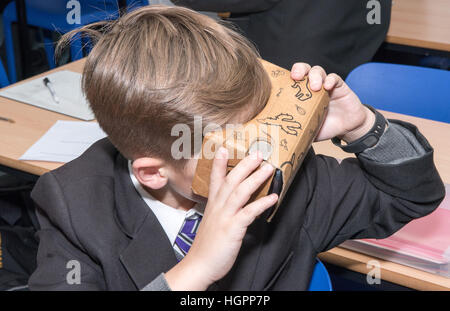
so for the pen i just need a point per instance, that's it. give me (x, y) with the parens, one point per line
(50, 88)
(7, 120)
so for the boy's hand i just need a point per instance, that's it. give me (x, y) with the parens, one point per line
(346, 118)
(224, 222)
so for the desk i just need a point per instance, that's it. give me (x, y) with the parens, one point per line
(420, 23)
(32, 123)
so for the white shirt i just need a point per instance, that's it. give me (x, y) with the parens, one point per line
(171, 219)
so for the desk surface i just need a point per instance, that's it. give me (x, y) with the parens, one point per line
(31, 123)
(420, 23)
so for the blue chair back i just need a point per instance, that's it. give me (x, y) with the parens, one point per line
(320, 279)
(3, 76)
(52, 16)
(417, 91)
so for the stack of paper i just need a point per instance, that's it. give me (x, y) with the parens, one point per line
(423, 243)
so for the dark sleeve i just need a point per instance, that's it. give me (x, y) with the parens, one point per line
(235, 6)
(362, 198)
(158, 284)
(59, 253)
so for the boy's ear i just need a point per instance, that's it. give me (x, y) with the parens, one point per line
(150, 172)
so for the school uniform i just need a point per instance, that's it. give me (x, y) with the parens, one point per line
(337, 35)
(92, 212)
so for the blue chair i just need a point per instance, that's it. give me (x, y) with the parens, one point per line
(52, 16)
(417, 91)
(320, 279)
(3, 77)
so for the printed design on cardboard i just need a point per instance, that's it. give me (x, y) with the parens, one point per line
(303, 93)
(276, 73)
(284, 144)
(269, 137)
(279, 92)
(285, 121)
(300, 110)
(290, 162)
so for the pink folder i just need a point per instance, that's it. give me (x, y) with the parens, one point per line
(423, 243)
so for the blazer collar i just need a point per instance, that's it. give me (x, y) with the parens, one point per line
(131, 210)
(149, 252)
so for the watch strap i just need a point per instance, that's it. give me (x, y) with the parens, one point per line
(368, 140)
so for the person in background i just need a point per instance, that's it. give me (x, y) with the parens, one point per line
(337, 35)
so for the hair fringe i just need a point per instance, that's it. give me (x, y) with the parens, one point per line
(93, 32)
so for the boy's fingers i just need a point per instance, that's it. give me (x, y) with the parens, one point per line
(248, 214)
(244, 168)
(317, 76)
(299, 70)
(244, 191)
(333, 81)
(218, 171)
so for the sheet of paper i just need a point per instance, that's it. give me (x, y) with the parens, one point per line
(64, 141)
(67, 86)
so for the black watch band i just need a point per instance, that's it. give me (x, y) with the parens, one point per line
(367, 141)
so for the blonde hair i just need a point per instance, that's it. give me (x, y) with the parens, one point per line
(159, 66)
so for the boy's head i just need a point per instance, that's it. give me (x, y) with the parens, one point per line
(159, 66)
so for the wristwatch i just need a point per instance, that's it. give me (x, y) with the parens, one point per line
(368, 140)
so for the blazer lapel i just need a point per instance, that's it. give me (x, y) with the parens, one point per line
(242, 275)
(149, 252)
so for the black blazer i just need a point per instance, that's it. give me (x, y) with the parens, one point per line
(89, 211)
(333, 34)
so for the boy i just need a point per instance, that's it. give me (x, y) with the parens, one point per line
(123, 213)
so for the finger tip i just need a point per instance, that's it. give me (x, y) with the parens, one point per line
(315, 86)
(296, 76)
(222, 153)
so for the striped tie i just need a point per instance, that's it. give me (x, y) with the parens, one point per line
(186, 235)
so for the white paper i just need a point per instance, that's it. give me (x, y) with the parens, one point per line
(67, 86)
(64, 141)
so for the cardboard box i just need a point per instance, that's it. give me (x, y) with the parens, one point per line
(283, 131)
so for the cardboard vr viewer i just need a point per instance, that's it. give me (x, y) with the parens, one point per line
(283, 131)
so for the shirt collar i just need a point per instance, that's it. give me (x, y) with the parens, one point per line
(171, 219)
